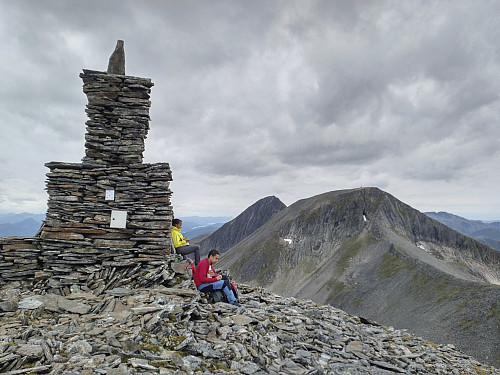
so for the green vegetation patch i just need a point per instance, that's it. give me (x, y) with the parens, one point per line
(151, 347)
(479, 370)
(447, 291)
(310, 216)
(468, 324)
(439, 288)
(494, 311)
(392, 264)
(462, 264)
(357, 302)
(335, 287)
(351, 249)
(214, 366)
(461, 306)
(266, 259)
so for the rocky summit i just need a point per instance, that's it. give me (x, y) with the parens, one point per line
(174, 330)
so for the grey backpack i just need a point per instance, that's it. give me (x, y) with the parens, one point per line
(217, 296)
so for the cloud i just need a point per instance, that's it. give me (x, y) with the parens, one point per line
(267, 98)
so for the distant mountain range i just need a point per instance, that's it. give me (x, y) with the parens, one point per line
(487, 233)
(23, 224)
(195, 226)
(366, 252)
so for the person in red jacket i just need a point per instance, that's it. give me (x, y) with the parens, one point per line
(207, 280)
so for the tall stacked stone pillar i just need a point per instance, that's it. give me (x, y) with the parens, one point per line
(108, 217)
(118, 110)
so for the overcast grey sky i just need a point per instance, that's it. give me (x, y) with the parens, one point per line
(258, 98)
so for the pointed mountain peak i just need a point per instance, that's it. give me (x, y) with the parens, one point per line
(243, 225)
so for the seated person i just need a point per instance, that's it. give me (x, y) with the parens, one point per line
(207, 280)
(181, 243)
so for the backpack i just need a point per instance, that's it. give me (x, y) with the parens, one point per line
(217, 296)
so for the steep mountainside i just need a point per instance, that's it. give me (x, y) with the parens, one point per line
(487, 233)
(370, 254)
(487, 239)
(243, 225)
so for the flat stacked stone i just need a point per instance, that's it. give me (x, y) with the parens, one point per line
(19, 258)
(77, 232)
(118, 110)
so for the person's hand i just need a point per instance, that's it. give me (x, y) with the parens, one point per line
(219, 277)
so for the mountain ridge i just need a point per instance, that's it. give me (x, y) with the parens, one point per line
(334, 247)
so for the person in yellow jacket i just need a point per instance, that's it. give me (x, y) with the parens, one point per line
(181, 243)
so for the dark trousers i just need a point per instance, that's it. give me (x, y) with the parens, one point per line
(189, 249)
(211, 287)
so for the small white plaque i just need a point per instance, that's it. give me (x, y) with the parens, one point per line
(110, 195)
(118, 219)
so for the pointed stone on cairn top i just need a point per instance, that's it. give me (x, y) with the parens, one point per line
(116, 63)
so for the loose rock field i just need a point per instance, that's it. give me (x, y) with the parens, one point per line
(174, 331)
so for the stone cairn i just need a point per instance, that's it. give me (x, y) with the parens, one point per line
(108, 218)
